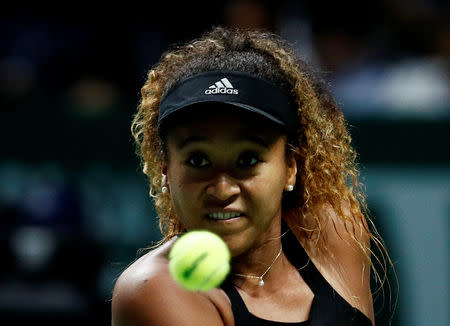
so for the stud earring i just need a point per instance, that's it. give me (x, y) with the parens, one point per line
(290, 188)
(164, 188)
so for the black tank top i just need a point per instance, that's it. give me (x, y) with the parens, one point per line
(328, 307)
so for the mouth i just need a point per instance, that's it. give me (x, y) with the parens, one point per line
(223, 215)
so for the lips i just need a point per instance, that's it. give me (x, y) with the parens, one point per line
(223, 215)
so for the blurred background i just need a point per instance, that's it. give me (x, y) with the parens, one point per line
(73, 201)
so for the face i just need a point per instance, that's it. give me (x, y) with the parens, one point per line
(227, 175)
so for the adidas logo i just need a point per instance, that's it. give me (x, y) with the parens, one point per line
(222, 86)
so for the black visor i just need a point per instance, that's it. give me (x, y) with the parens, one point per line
(236, 89)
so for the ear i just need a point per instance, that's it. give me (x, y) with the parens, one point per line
(164, 176)
(291, 176)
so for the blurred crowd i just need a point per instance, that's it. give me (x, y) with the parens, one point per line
(73, 203)
(381, 55)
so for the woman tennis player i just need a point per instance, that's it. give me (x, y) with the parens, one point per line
(238, 137)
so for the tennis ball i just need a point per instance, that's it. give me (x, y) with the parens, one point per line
(199, 260)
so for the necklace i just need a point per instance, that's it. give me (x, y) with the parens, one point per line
(261, 281)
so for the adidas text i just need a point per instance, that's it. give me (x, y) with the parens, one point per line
(221, 90)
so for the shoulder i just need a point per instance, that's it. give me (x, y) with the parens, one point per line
(341, 259)
(145, 294)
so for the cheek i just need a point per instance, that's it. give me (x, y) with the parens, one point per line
(268, 190)
(185, 196)
(176, 187)
(180, 204)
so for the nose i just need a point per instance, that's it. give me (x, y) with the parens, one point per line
(223, 188)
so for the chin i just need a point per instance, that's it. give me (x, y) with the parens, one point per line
(238, 243)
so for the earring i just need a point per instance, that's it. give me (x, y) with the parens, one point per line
(164, 188)
(290, 188)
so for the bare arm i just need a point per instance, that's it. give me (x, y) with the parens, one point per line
(149, 296)
(354, 265)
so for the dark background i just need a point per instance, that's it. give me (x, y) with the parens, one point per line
(74, 204)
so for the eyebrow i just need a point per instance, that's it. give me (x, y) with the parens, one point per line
(240, 137)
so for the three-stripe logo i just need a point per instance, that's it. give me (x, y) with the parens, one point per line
(222, 86)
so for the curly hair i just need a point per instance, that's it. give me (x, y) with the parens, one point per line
(322, 147)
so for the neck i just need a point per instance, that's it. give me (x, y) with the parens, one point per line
(263, 258)
(259, 266)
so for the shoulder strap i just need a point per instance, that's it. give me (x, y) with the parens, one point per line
(240, 312)
(300, 259)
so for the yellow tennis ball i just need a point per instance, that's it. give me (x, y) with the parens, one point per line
(199, 260)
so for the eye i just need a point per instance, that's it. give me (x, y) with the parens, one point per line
(248, 159)
(197, 160)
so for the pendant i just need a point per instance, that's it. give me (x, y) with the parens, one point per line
(261, 282)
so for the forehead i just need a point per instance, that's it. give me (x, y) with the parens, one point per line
(225, 123)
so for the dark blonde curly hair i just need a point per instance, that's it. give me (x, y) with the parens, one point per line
(326, 161)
